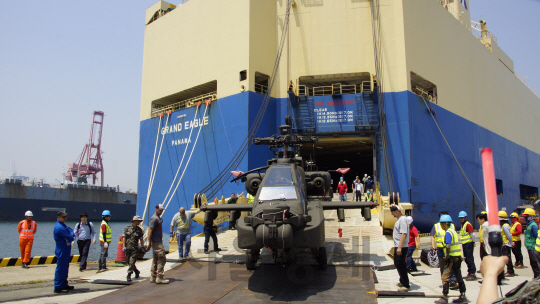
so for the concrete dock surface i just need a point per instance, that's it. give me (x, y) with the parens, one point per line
(221, 277)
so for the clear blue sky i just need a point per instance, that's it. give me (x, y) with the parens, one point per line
(61, 60)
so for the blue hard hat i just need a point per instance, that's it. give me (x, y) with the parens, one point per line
(368, 191)
(106, 212)
(445, 218)
(462, 214)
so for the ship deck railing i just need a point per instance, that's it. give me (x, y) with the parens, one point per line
(162, 109)
(334, 89)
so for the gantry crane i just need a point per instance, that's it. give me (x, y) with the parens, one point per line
(90, 161)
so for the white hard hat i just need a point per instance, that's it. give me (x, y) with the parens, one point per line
(28, 213)
(409, 220)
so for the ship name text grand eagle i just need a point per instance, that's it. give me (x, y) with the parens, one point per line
(198, 122)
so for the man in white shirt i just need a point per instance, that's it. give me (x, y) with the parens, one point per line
(358, 186)
(401, 246)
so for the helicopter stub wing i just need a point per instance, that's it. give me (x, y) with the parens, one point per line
(228, 207)
(347, 205)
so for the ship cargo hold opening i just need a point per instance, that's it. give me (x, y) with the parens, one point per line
(329, 154)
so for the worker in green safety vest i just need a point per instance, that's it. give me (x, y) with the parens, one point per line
(104, 240)
(437, 238)
(453, 256)
(466, 235)
(532, 241)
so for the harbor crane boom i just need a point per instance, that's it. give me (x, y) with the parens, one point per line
(90, 161)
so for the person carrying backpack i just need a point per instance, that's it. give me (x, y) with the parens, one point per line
(84, 233)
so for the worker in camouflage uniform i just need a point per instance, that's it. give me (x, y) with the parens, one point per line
(132, 235)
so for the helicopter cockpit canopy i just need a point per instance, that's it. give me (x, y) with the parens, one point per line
(278, 185)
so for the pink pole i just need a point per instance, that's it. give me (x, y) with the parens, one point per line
(489, 187)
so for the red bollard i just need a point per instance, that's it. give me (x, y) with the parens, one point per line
(120, 256)
(340, 234)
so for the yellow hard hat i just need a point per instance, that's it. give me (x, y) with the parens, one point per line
(529, 211)
(503, 213)
(514, 214)
(483, 212)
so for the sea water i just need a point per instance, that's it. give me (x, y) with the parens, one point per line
(44, 243)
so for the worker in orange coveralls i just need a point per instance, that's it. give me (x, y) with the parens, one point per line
(27, 229)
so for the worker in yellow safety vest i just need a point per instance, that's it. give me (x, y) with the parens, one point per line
(507, 242)
(104, 240)
(453, 254)
(437, 238)
(467, 238)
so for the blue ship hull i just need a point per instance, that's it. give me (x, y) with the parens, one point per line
(424, 170)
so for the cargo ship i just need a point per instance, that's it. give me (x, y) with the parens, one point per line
(46, 200)
(407, 92)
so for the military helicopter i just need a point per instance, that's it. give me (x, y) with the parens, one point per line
(287, 211)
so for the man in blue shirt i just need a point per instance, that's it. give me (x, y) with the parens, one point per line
(63, 235)
(85, 233)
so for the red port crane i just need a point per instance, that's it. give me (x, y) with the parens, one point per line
(90, 161)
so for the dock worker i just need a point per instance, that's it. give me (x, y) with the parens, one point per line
(358, 187)
(133, 234)
(368, 184)
(105, 237)
(484, 247)
(507, 242)
(467, 238)
(63, 236)
(532, 241)
(232, 200)
(250, 198)
(401, 246)
(27, 229)
(369, 196)
(437, 241)
(364, 179)
(155, 241)
(342, 190)
(414, 243)
(452, 256)
(516, 231)
(85, 234)
(437, 244)
(182, 222)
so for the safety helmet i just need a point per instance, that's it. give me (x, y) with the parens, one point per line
(514, 215)
(462, 214)
(483, 212)
(445, 218)
(106, 212)
(28, 213)
(503, 214)
(529, 211)
(368, 191)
